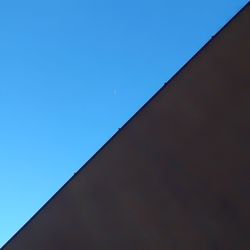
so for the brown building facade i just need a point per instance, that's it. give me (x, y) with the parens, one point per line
(175, 176)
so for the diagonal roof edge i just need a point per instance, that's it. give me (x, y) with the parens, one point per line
(112, 137)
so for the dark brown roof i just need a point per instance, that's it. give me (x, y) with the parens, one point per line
(176, 176)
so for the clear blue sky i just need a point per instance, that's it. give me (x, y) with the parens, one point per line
(73, 72)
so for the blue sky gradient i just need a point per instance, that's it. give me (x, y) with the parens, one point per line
(73, 72)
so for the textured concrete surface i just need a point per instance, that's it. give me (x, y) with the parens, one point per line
(176, 176)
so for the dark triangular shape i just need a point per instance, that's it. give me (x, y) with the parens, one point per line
(176, 176)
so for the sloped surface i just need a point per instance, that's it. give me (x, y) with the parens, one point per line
(176, 176)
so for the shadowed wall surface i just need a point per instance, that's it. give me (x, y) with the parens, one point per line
(176, 176)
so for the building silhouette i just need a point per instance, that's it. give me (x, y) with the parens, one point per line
(175, 176)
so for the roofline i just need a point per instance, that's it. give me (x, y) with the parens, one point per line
(129, 120)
